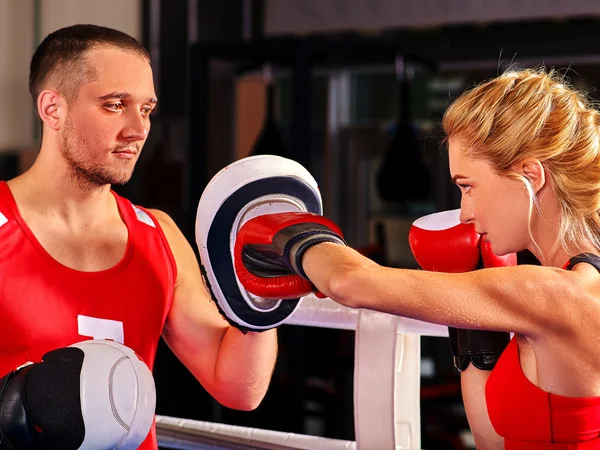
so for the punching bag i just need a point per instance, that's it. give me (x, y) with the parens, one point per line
(403, 176)
(270, 139)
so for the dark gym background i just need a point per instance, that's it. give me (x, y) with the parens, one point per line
(360, 109)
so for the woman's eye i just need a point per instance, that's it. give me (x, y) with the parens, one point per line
(465, 187)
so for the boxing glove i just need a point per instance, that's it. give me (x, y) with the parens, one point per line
(269, 249)
(95, 394)
(441, 243)
(24, 415)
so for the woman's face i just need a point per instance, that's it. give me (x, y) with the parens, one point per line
(497, 205)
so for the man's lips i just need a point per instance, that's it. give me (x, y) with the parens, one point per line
(125, 153)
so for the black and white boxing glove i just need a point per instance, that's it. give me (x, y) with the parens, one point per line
(93, 395)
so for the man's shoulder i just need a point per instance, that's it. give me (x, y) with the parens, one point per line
(161, 217)
(168, 226)
(145, 213)
(158, 218)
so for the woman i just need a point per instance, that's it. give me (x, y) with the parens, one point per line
(524, 148)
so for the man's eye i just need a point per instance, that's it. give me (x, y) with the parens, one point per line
(114, 106)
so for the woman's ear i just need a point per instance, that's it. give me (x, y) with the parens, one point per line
(534, 171)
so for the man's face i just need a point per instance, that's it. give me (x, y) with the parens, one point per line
(109, 120)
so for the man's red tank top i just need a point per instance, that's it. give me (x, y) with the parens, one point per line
(46, 305)
(529, 418)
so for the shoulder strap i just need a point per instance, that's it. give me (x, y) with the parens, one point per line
(133, 214)
(143, 216)
(7, 203)
(589, 258)
(138, 216)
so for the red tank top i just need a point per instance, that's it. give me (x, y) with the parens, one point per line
(46, 305)
(529, 418)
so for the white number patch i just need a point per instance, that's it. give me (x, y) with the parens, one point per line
(100, 328)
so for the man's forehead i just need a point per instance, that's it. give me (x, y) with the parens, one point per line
(119, 72)
(118, 63)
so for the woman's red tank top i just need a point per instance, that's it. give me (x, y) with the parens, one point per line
(528, 417)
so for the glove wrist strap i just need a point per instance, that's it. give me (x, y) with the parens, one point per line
(482, 348)
(297, 247)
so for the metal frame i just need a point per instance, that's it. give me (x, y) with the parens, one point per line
(456, 47)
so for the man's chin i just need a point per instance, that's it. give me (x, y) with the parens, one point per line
(113, 179)
(120, 177)
(120, 181)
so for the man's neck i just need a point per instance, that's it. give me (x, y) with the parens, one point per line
(48, 188)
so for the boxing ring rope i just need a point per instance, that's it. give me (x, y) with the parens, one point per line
(386, 388)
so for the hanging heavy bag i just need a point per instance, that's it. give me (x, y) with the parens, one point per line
(270, 140)
(403, 176)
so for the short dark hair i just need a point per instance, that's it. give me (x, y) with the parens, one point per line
(61, 57)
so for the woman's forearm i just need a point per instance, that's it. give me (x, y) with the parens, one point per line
(523, 299)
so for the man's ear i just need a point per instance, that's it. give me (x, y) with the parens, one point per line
(51, 108)
(534, 171)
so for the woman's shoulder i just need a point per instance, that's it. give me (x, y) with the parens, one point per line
(586, 267)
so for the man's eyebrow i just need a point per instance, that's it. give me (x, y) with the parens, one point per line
(456, 177)
(124, 95)
(120, 95)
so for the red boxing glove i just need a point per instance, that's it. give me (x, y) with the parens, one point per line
(490, 259)
(269, 249)
(441, 243)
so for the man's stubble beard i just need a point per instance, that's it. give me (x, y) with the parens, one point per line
(85, 174)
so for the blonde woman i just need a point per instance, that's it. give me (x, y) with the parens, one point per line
(524, 149)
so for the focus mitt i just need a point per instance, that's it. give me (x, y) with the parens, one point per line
(250, 187)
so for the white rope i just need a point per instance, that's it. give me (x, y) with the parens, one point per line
(325, 313)
(192, 434)
(386, 388)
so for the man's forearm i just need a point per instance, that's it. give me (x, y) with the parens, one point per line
(244, 367)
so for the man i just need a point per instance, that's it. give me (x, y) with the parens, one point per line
(80, 262)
